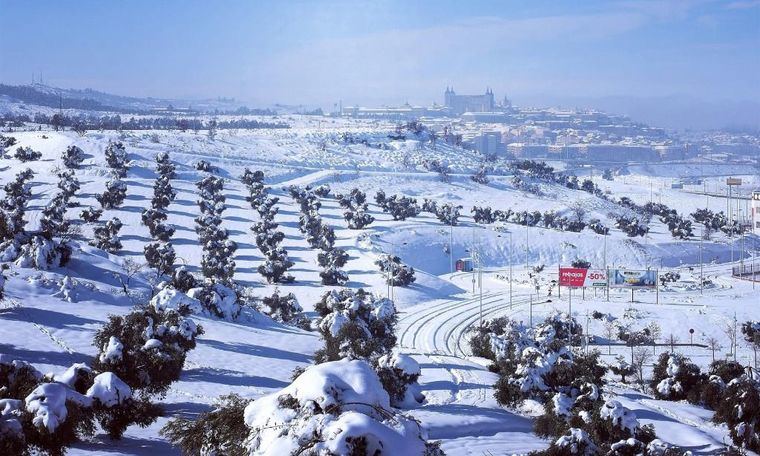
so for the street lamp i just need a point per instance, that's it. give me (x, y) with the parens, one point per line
(510, 267)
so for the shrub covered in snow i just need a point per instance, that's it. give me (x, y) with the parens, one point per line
(394, 271)
(146, 348)
(220, 431)
(337, 407)
(163, 193)
(164, 166)
(90, 214)
(205, 166)
(621, 367)
(27, 154)
(106, 237)
(448, 213)
(160, 256)
(116, 158)
(631, 226)
(72, 157)
(13, 206)
(218, 261)
(355, 209)
(675, 377)
(47, 414)
(217, 299)
(114, 194)
(399, 373)
(42, 253)
(355, 325)
(739, 409)
(284, 308)
(332, 261)
(398, 206)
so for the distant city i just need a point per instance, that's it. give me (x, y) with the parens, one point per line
(499, 128)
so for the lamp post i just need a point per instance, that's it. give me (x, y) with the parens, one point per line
(510, 266)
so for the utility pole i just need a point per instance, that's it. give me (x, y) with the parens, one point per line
(527, 244)
(531, 311)
(701, 264)
(451, 248)
(510, 270)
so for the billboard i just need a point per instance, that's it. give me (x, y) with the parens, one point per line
(580, 277)
(633, 278)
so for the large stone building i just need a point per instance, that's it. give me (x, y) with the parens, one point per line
(459, 104)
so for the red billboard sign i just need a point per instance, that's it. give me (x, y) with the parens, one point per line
(579, 277)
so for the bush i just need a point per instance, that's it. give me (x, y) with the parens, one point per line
(107, 237)
(740, 411)
(675, 378)
(399, 373)
(72, 157)
(90, 214)
(337, 407)
(283, 308)
(116, 158)
(26, 154)
(219, 431)
(355, 325)
(395, 272)
(146, 348)
(114, 195)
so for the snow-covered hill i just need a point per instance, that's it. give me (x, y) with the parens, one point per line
(254, 355)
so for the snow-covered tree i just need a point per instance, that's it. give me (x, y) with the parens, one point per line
(217, 262)
(401, 207)
(448, 213)
(675, 377)
(399, 373)
(27, 154)
(116, 158)
(355, 325)
(72, 157)
(219, 431)
(164, 166)
(163, 193)
(483, 214)
(394, 271)
(337, 407)
(739, 409)
(160, 256)
(332, 262)
(282, 307)
(17, 195)
(90, 214)
(355, 209)
(146, 348)
(106, 237)
(114, 194)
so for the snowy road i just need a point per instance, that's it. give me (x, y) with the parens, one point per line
(460, 409)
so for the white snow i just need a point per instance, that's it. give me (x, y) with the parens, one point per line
(109, 389)
(48, 404)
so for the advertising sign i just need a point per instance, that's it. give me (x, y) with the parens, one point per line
(633, 278)
(579, 277)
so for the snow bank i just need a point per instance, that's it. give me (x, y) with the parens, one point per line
(109, 389)
(48, 404)
(327, 408)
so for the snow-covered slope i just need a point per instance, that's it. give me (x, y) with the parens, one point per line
(254, 356)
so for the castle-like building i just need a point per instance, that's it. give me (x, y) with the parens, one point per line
(459, 104)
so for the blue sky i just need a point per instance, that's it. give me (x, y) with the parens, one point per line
(317, 52)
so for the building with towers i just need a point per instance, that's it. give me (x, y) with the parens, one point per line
(459, 104)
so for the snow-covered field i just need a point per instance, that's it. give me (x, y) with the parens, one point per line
(254, 355)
